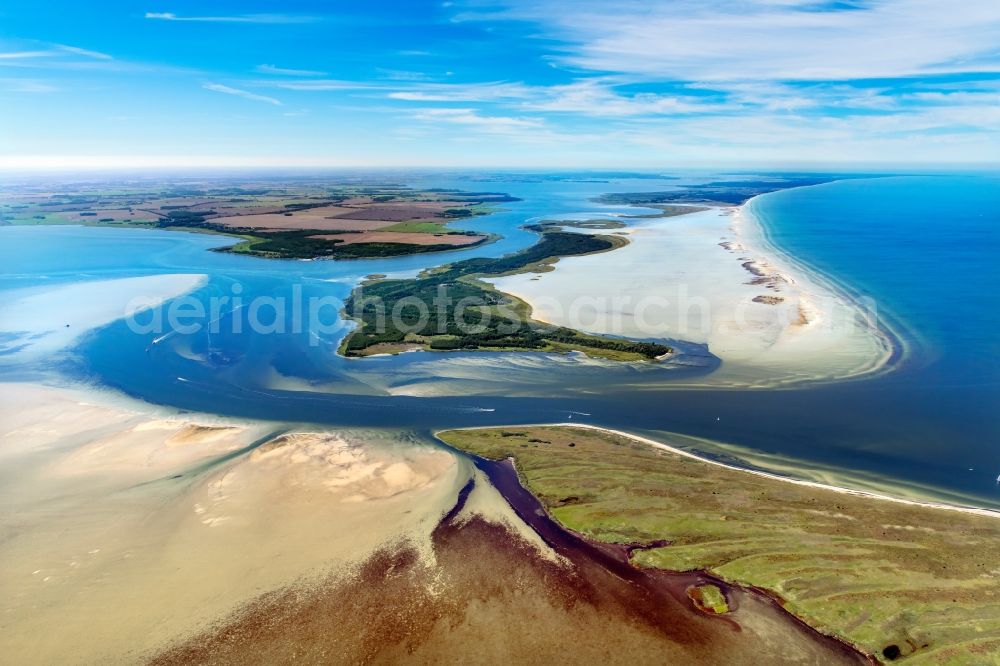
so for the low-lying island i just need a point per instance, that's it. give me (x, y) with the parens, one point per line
(897, 579)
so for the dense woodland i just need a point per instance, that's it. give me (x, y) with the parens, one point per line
(447, 310)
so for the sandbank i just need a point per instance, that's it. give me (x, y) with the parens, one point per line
(777, 477)
(127, 527)
(709, 278)
(37, 321)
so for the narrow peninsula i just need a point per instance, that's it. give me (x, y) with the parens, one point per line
(448, 308)
(899, 580)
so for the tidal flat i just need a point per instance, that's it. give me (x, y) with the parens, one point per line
(277, 479)
(264, 542)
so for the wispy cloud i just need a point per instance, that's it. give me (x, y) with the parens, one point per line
(493, 124)
(468, 125)
(594, 97)
(709, 40)
(238, 18)
(462, 92)
(17, 55)
(218, 87)
(26, 86)
(87, 53)
(284, 71)
(960, 132)
(54, 51)
(403, 74)
(320, 85)
(589, 97)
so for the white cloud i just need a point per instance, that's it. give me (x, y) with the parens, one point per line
(463, 92)
(17, 55)
(218, 87)
(712, 40)
(75, 50)
(493, 124)
(474, 126)
(593, 97)
(54, 51)
(284, 71)
(966, 131)
(241, 18)
(590, 97)
(403, 74)
(320, 85)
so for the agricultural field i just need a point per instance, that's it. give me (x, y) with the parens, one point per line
(272, 219)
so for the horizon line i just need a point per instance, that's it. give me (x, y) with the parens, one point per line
(115, 163)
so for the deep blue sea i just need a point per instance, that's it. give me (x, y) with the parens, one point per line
(924, 249)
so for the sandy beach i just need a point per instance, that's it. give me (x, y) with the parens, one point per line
(710, 278)
(777, 477)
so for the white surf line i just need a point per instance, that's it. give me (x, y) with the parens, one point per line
(762, 244)
(799, 482)
(990, 513)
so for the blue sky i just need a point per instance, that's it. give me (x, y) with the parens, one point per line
(499, 83)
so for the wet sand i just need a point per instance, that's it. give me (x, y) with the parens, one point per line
(39, 321)
(490, 597)
(709, 278)
(134, 533)
(124, 527)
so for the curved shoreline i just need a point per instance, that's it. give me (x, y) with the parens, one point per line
(587, 552)
(896, 578)
(897, 349)
(786, 326)
(930, 504)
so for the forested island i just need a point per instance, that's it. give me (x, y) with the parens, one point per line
(717, 192)
(450, 309)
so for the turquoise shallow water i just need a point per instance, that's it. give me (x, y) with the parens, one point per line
(923, 248)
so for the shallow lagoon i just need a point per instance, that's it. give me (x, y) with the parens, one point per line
(923, 248)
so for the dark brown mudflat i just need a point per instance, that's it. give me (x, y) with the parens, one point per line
(489, 596)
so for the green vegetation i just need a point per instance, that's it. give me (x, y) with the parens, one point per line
(457, 213)
(709, 599)
(553, 225)
(448, 309)
(910, 583)
(304, 244)
(666, 210)
(185, 218)
(418, 227)
(22, 219)
(730, 193)
(670, 210)
(197, 208)
(471, 197)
